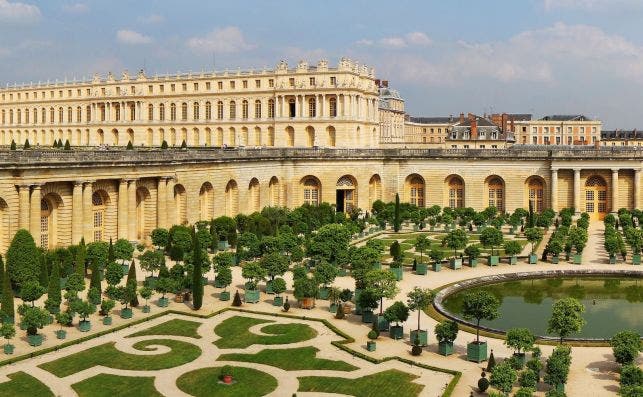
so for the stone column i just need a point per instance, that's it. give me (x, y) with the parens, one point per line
(554, 189)
(131, 211)
(322, 106)
(77, 213)
(614, 189)
(88, 221)
(169, 203)
(637, 188)
(34, 224)
(577, 191)
(23, 206)
(122, 210)
(161, 203)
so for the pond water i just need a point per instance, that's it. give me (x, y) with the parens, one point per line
(612, 304)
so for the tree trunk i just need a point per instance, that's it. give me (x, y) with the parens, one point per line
(478, 332)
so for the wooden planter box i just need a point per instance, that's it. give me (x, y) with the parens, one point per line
(332, 308)
(126, 313)
(35, 340)
(554, 259)
(382, 324)
(578, 259)
(178, 298)
(437, 267)
(323, 293)
(61, 334)
(533, 259)
(612, 259)
(8, 349)
(371, 345)
(84, 326)
(146, 309)
(456, 264)
(251, 296)
(421, 269)
(493, 260)
(224, 296)
(398, 272)
(477, 352)
(223, 245)
(307, 303)
(636, 259)
(423, 336)
(445, 348)
(473, 262)
(513, 260)
(396, 332)
(278, 301)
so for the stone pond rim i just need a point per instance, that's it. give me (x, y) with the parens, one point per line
(449, 289)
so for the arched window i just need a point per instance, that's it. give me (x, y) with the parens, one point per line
(150, 112)
(162, 112)
(233, 110)
(184, 111)
(70, 117)
(374, 189)
(273, 189)
(244, 109)
(496, 189)
(290, 136)
(231, 198)
(208, 111)
(312, 107)
(79, 114)
(536, 194)
(416, 191)
(253, 190)
(19, 116)
(88, 113)
(195, 111)
(271, 108)
(117, 112)
(43, 115)
(219, 110)
(456, 192)
(257, 109)
(311, 191)
(206, 201)
(310, 135)
(27, 116)
(172, 112)
(98, 208)
(332, 107)
(331, 136)
(61, 115)
(45, 223)
(181, 204)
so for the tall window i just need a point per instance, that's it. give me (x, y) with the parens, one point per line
(51, 115)
(19, 116)
(27, 116)
(271, 108)
(233, 110)
(99, 214)
(70, 116)
(45, 223)
(162, 112)
(103, 113)
(496, 194)
(456, 193)
(257, 109)
(416, 195)
(208, 111)
(244, 109)
(173, 112)
(219, 110)
(184, 111)
(311, 191)
(195, 110)
(117, 112)
(312, 107)
(536, 194)
(150, 112)
(61, 114)
(79, 114)
(332, 107)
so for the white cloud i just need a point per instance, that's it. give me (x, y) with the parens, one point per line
(392, 42)
(151, 19)
(131, 37)
(227, 40)
(398, 42)
(418, 38)
(18, 12)
(364, 42)
(76, 8)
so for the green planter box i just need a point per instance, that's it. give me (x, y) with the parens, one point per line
(437, 267)
(84, 326)
(533, 259)
(107, 320)
(224, 296)
(23, 326)
(456, 264)
(358, 309)
(612, 259)
(367, 316)
(423, 335)
(269, 287)
(445, 348)
(421, 269)
(371, 345)
(223, 245)
(8, 349)
(473, 262)
(323, 293)
(398, 272)
(382, 324)
(396, 332)
(63, 282)
(278, 301)
(493, 260)
(150, 281)
(560, 387)
(332, 308)
(126, 313)
(146, 309)
(35, 340)
(554, 259)
(342, 272)
(578, 259)
(477, 352)
(513, 260)
(163, 302)
(61, 334)
(251, 296)
(520, 358)
(125, 268)
(636, 259)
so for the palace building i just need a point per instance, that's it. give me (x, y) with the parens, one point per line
(282, 137)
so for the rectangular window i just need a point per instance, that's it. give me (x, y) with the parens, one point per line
(312, 81)
(172, 87)
(184, 86)
(161, 88)
(232, 85)
(245, 83)
(196, 86)
(534, 130)
(220, 85)
(333, 80)
(150, 89)
(271, 83)
(207, 85)
(257, 83)
(291, 82)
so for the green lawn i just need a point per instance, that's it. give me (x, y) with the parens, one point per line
(108, 356)
(235, 335)
(105, 385)
(387, 383)
(23, 385)
(249, 382)
(176, 327)
(301, 358)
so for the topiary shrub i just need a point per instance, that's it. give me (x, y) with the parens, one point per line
(483, 383)
(130, 146)
(164, 144)
(237, 300)
(340, 312)
(372, 334)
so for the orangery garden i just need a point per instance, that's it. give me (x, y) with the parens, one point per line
(395, 299)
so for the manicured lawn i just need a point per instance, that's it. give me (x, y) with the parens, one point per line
(108, 356)
(176, 327)
(290, 359)
(249, 382)
(23, 385)
(105, 385)
(387, 383)
(235, 335)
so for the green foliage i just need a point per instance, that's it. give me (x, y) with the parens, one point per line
(491, 237)
(113, 273)
(79, 259)
(275, 264)
(278, 286)
(129, 146)
(534, 235)
(436, 255)
(95, 280)
(362, 260)
(43, 275)
(23, 258)
(305, 287)
(131, 285)
(325, 273)
(367, 300)
(31, 291)
(151, 261)
(397, 313)
(512, 247)
(483, 383)
(456, 239)
(419, 300)
(83, 308)
(34, 318)
(566, 318)
(67, 145)
(382, 283)
(164, 144)
(525, 392)
(557, 367)
(54, 297)
(94, 296)
(446, 331)
(480, 305)
(422, 243)
(197, 278)
(184, 145)
(164, 285)
(528, 379)
(329, 243)
(224, 276)
(7, 304)
(7, 330)
(472, 251)
(372, 334)
(106, 306)
(626, 346)
(520, 339)
(254, 273)
(397, 220)
(631, 379)
(503, 377)
(180, 242)
(226, 229)
(13, 145)
(97, 252)
(123, 250)
(160, 237)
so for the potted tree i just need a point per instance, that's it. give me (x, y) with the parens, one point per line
(164, 285)
(446, 332)
(325, 273)
(521, 340)
(383, 285)
(422, 243)
(456, 240)
(473, 252)
(145, 293)
(84, 309)
(436, 256)
(397, 313)
(305, 291)
(64, 319)
(491, 237)
(612, 247)
(534, 235)
(634, 238)
(398, 257)
(368, 301)
(555, 246)
(334, 298)
(275, 264)
(278, 288)
(8, 331)
(512, 248)
(106, 306)
(419, 300)
(372, 335)
(224, 279)
(254, 273)
(34, 318)
(227, 374)
(479, 305)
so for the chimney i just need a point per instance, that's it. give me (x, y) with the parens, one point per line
(385, 83)
(461, 117)
(513, 127)
(474, 127)
(504, 122)
(378, 83)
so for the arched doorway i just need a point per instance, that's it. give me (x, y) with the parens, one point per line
(273, 190)
(231, 198)
(536, 194)
(374, 190)
(180, 200)
(331, 135)
(99, 206)
(596, 197)
(496, 193)
(346, 194)
(311, 189)
(455, 187)
(254, 197)
(144, 213)
(415, 190)
(206, 196)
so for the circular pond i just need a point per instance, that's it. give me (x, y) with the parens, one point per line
(612, 302)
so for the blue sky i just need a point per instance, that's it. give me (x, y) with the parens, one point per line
(445, 57)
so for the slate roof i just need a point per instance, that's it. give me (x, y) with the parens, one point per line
(566, 117)
(621, 134)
